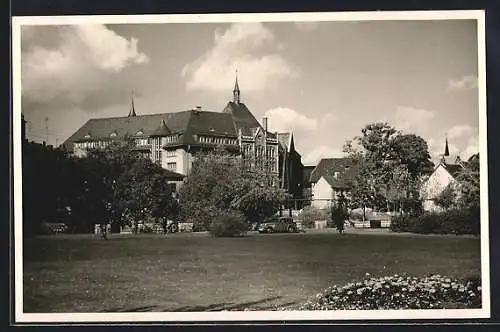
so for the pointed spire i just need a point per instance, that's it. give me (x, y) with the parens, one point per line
(236, 91)
(446, 149)
(132, 107)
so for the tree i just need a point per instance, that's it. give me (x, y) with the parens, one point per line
(447, 198)
(469, 183)
(390, 167)
(124, 188)
(412, 151)
(220, 182)
(48, 181)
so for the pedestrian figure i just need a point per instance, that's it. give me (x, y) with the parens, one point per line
(98, 231)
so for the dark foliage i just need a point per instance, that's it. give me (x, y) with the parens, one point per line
(229, 225)
(110, 185)
(454, 221)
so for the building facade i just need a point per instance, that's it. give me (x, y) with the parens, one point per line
(444, 175)
(172, 140)
(330, 178)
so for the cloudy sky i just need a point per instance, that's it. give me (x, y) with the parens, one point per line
(324, 81)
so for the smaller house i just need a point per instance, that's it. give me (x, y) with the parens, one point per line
(330, 178)
(444, 174)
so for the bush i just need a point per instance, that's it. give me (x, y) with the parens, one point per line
(229, 225)
(456, 221)
(400, 292)
(310, 214)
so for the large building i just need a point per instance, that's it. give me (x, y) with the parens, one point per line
(173, 139)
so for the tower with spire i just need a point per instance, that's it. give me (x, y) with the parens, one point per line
(446, 151)
(236, 90)
(132, 107)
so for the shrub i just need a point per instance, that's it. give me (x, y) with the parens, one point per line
(310, 214)
(229, 225)
(456, 221)
(400, 292)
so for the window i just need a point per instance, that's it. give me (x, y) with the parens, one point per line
(170, 153)
(171, 166)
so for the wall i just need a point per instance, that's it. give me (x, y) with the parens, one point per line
(431, 188)
(436, 183)
(321, 194)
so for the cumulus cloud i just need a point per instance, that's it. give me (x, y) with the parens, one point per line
(471, 148)
(74, 65)
(463, 141)
(313, 156)
(467, 82)
(240, 47)
(460, 131)
(307, 26)
(412, 118)
(284, 119)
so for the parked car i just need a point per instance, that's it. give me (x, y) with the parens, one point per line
(278, 225)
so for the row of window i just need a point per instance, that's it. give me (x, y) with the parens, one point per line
(172, 166)
(142, 141)
(91, 145)
(218, 140)
(259, 151)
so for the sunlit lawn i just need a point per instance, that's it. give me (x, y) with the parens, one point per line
(75, 273)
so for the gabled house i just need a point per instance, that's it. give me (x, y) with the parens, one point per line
(331, 178)
(444, 175)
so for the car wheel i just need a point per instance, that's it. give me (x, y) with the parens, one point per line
(270, 230)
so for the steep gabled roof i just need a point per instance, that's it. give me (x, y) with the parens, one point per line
(453, 169)
(185, 123)
(283, 140)
(328, 166)
(242, 118)
(337, 183)
(162, 130)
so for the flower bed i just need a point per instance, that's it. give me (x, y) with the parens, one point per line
(400, 292)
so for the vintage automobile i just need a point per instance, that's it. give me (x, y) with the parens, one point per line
(278, 225)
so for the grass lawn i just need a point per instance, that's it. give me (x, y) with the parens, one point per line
(76, 273)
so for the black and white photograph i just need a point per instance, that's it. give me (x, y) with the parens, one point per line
(250, 167)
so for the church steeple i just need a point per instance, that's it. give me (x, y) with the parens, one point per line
(236, 91)
(132, 107)
(446, 149)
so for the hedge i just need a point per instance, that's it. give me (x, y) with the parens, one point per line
(455, 221)
(229, 225)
